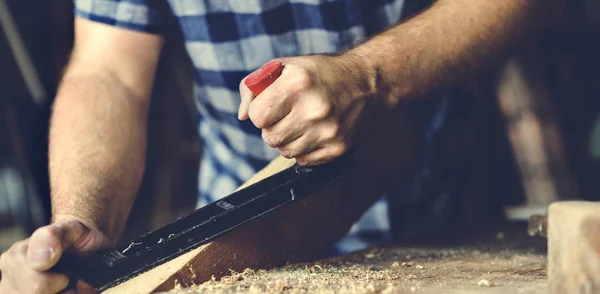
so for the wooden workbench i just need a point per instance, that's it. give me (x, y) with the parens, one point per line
(502, 259)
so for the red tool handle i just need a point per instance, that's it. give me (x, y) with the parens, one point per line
(259, 80)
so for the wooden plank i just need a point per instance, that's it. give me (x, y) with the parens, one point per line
(300, 231)
(295, 232)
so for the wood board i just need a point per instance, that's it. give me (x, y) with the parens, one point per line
(297, 232)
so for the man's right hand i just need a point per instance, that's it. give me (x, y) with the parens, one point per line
(25, 266)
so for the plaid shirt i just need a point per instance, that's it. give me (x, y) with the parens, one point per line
(226, 41)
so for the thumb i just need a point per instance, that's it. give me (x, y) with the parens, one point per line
(247, 97)
(48, 243)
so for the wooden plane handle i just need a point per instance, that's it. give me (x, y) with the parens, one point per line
(259, 80)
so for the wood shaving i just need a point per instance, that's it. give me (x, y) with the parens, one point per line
(130, 246)
(486, 283)
(193, 276)
(177, 285)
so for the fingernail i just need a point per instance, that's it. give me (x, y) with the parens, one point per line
(42, 256)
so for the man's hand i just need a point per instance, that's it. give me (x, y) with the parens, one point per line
(314, 109)
(25, 266)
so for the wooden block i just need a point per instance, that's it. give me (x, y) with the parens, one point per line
(574, 247)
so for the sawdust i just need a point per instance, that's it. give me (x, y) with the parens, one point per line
(452, 269)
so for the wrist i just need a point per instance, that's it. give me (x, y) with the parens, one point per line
(373, 71)
(365, 71)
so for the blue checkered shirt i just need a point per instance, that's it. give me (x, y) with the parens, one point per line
(227, 40)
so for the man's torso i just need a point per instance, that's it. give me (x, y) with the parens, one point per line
(228, 39)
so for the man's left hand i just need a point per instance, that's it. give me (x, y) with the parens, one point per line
(313, 111)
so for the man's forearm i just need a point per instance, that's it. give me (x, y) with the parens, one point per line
(97, 150)
(447, 42)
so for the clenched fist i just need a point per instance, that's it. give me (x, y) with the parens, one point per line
(313, 111)
(26, 266)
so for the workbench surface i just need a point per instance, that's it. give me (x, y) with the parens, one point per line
(499, 260)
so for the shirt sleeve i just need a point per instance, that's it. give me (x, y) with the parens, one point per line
(148, 16)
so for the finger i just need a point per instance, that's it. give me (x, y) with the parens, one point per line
(322, 155)
(283, 132)
(83, 288)
(44, 249)
(273, 104)
(305, 144)
(25, 279)
(48, 243)
(46, 282)
(12, 263)
(6, 288)
(325, 133)
(247, 96)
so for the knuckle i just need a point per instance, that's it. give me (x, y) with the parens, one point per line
(338, 149)
(266, 138)
(276, 141)
(322, 111)
(332, 131)
(16, 249)
(46, 231)
(8, 254)
(303, 80)
(257, 117)
(51, 233)
(271, 139)
(3, 261)
(286, 153)
(37, 285)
